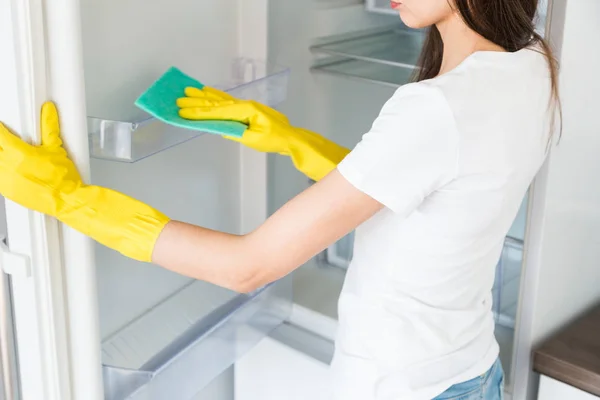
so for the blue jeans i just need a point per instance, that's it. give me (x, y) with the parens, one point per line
(489, 386)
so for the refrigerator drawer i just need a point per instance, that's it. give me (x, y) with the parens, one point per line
(212, 342)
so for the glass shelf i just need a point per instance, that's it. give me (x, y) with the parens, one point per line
(393, 46)
(181, 345)
(365, 71)
(132, 135)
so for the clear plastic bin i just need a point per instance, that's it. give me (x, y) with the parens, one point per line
(141, 136)
(212, 342)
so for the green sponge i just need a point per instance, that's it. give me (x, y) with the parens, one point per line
(159, 100)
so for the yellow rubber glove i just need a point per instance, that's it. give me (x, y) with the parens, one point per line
(268, 130)
(44, 179)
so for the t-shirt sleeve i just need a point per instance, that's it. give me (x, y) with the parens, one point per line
(410, 151)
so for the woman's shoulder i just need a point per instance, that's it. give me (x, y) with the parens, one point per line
(425, 94)
(423, 90)
(420, 104)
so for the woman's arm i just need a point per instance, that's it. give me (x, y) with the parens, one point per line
(302, 228)
(44, 179)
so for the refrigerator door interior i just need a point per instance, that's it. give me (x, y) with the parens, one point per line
(164, 335)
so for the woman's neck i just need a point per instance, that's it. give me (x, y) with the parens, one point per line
(460, 42)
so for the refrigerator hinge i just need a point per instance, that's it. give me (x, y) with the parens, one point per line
(12, 263)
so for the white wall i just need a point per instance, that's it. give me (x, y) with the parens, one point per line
(562, 261)
(570, 277)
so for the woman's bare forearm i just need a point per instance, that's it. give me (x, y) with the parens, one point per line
(302, 228)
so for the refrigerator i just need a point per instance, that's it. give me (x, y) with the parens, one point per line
(80, 321)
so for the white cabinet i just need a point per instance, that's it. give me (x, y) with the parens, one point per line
(551, 389)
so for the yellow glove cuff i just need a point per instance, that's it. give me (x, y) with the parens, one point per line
(114, 220)
(314, 155)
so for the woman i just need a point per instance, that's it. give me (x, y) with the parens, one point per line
(433, 189)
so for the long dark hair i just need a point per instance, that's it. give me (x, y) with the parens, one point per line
(507, 23)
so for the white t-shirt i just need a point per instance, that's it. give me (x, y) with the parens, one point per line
(451, 159)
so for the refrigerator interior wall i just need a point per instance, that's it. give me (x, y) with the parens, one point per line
(334, 107)
(164, 334)
(187, 182)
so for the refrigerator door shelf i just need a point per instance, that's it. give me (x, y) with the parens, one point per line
(140, 365)
(132, 135)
